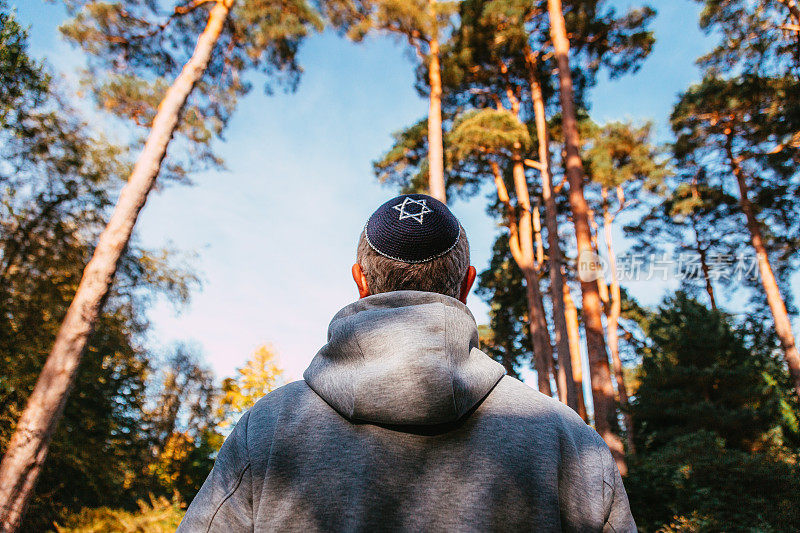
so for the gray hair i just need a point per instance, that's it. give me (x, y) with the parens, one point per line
(442, 274)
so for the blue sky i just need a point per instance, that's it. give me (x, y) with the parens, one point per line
(275, 234)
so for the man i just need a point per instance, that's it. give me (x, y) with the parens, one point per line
(402, 423)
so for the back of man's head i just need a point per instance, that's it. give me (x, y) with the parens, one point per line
(414, 242)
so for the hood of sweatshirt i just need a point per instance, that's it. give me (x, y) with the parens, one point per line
(403, 358)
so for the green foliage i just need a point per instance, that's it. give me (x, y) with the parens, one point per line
(160, 515)
(714, 449)
(619, 153)
(136, 49)
(487, 132)
(492, 31)
(617, 43)
(488, 34)
(416, 21)
(405, 165)
(696, 483)
(755, 36)
(745, 112)
(21, 78)
(695, 220)
(695, 353)
(751, 122)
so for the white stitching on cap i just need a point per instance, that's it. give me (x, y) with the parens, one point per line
(366, 234)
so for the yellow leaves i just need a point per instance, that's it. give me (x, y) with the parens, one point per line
(176, 450)
(159, 515)
(260, 375)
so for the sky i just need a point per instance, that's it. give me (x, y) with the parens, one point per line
(274, 236)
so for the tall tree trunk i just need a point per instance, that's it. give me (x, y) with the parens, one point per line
(602, 284)
(783, 326)
(28, 447)
(520, 240)
(602, 389)
(530, 259)
(565, 378)
(435, 145)
(612, 318)
(573, 329)
(541, 315)
(543, 350)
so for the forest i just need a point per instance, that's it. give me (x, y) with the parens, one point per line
(697, 397)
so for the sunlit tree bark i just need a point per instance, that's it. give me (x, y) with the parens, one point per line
(573, 329)
(435, 145)
(565, 380)
(28, 446)
(783, 326)
(614, 313)
(522, 249)
(602, 389)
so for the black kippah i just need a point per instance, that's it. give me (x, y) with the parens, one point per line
(412, 228)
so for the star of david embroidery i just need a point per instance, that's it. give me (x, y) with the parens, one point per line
(419, 215)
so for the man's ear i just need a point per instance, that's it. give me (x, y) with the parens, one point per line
(466, 285)
(361, 281)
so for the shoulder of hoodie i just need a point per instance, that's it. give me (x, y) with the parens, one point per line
(290, 399)
(582, 452)
(510, 398)
(527, 406)
(292, 395)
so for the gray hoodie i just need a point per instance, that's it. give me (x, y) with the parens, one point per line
(402, 423)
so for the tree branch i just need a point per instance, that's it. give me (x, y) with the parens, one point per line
(534, 164)
(502, 195)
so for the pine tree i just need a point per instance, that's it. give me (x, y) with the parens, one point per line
(135, 49)
(22, 81)
(488, 64)
(602, 391)
(742, 122)
(56, 183)
(423, 24)
(714, 416)
(697, 221)
(620, 158)
(491, 45)
(730, 127)
(494, 140)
